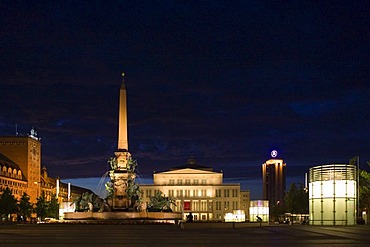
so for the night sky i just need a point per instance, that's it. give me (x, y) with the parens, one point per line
(224, 82)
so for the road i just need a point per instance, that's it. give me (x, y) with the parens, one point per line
(194, 234)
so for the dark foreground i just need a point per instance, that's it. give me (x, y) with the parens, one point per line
(194, 234)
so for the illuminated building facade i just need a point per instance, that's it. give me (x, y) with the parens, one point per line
(259, 210)
(11, 176)
(333, 194)
(25, 152)
(196, 189)
(274, 180)
(20, 166)
(245, 202)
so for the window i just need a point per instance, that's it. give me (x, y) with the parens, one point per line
(187, 193)
(187, 181)
(226, 193)
(177, 207)
(218, 193)
(172, 181)
(204, 181)
(203, 205)
(218, 205)
(170, 193)
(196, 181)
(195, 205)
(204, 192)
(179, 181)
(195, 193)
(226, 205)
(179, 193)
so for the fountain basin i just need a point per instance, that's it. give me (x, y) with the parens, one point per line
(123, 216)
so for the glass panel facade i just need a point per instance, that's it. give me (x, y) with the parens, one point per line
(332, 195)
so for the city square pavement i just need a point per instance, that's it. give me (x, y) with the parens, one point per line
(191, 234)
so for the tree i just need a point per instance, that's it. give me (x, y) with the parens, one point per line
(364, 187)
(364, 190)
(41, 206)
(53, 207)
(296, 199)
(8, 203)
(277, 210)
(24, 206)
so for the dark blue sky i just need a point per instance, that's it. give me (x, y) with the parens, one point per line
(222, 81)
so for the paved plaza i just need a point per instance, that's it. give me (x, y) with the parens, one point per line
(194, 234)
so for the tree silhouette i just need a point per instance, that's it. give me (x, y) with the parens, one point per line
(25, 207)
(8, 203)
(296, 199)
(41, 206)
(53, 207)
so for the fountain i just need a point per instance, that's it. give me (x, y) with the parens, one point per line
(124, 201)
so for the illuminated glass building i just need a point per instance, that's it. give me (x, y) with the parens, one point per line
(333, 194)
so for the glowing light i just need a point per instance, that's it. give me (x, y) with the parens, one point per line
(236, 216)
(259, 208)
(274, 153)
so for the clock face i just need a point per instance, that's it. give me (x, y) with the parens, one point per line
(274, 153)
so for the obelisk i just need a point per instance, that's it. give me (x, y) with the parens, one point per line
(122, 121)
(122, 153)
(121, 174)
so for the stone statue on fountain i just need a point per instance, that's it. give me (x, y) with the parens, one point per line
(123, 192)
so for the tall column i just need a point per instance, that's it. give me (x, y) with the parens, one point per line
(122, 121)
(121, 175)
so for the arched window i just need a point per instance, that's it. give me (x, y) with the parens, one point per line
(20, 174)
(4, 170)
(14, 173)
(9, 172)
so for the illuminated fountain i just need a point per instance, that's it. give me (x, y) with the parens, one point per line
(124, 195)
(333, 195)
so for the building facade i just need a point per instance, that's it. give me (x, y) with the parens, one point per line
(25, 152)
(11, 176)
(274, 181)
(245, 198)
(21, 172)
(196, 189)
